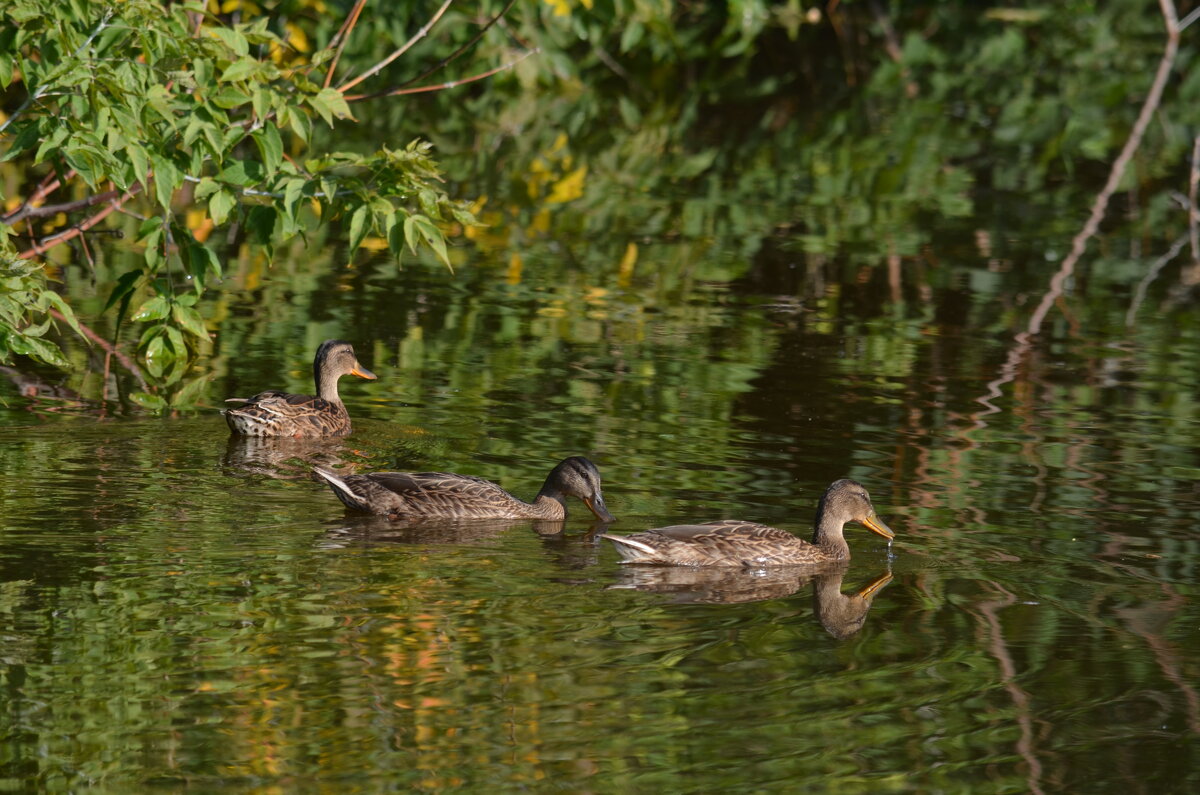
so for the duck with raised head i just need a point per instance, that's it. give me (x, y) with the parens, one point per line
(732, 542)
(276, 413)
(444, 495)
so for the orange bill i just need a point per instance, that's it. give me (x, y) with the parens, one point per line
(363, 372)
(876, 525)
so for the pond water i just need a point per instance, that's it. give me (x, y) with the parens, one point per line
(178, 609)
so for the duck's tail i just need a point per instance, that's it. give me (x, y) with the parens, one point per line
(632, 550)
(339, 486)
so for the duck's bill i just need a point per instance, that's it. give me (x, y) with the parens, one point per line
(596, 505)
(363, 372)
(870, 590)
(876, 525)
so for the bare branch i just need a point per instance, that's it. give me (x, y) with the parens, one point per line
(392, 92)
(395, 92)
(27, 211)
(42, 246)
(343, 35)
(420, 34)
(1193, 212)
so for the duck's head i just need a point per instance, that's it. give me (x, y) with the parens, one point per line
(578, 477)
(847, 501)
(337, 358)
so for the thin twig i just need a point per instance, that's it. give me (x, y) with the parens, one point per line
(420, 34)
(343, 36)
(395, 92)
(42, 246)
(1158, 264)
(26, 211)
(1193, 212)
(125, 361)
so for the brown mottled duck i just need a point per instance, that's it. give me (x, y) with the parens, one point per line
(736, 543)
(275, 413)
(444, 495)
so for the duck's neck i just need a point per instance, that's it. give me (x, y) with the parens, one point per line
(327, 385)
(828, 536)
(549, 505)
(550, 502)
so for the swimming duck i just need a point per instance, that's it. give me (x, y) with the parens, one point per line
(736, 543)
(448, 496)
(275, 413)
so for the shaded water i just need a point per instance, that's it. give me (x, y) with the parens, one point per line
(179, 609)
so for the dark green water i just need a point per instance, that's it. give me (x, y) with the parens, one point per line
(178, 611)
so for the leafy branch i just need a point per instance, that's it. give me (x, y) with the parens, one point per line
(127, 105)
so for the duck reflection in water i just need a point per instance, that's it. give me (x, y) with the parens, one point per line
(283, 458)
(842, 615)
(366, 530)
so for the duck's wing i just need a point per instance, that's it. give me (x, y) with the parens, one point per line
(445, 494)
(276, 413)
(728, 542)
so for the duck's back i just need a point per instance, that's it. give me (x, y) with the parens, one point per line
(437, 494)
(277, 413)
(729, 542)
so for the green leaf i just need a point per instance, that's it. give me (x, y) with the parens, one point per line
(434, 237)
(232, 38)
(148, 401)
(229, 97)
(269, 146)
(395, 236)
(301, 125)
(358, 227)
(260, 223)
(205, 188)
(154, 309)
(330, 102)
(55, 300)
(124, 286)
(141, 163)
(240, 69)
(6, 70)
(166, 178)
(220, 205)
(243, 173)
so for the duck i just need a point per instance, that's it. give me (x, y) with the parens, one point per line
(276, 413)
(732, 542)
(444, 495)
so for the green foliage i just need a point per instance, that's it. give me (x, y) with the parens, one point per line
(25, 303)
(171, 106)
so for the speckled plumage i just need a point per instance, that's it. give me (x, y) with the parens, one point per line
(276, 413)
(446, 495)
(732, 542)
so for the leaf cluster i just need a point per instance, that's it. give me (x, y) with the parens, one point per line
(171, 106)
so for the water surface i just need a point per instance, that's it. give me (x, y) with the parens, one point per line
(179, 610)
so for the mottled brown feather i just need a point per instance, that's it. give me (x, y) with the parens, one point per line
(732, 542)
(450, 496)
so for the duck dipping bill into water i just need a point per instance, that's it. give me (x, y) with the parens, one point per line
(448, 496)
(736, 543)
(276, 413)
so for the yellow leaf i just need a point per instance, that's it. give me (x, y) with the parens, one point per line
(569, 187)
(515, 266)
(625, 269)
